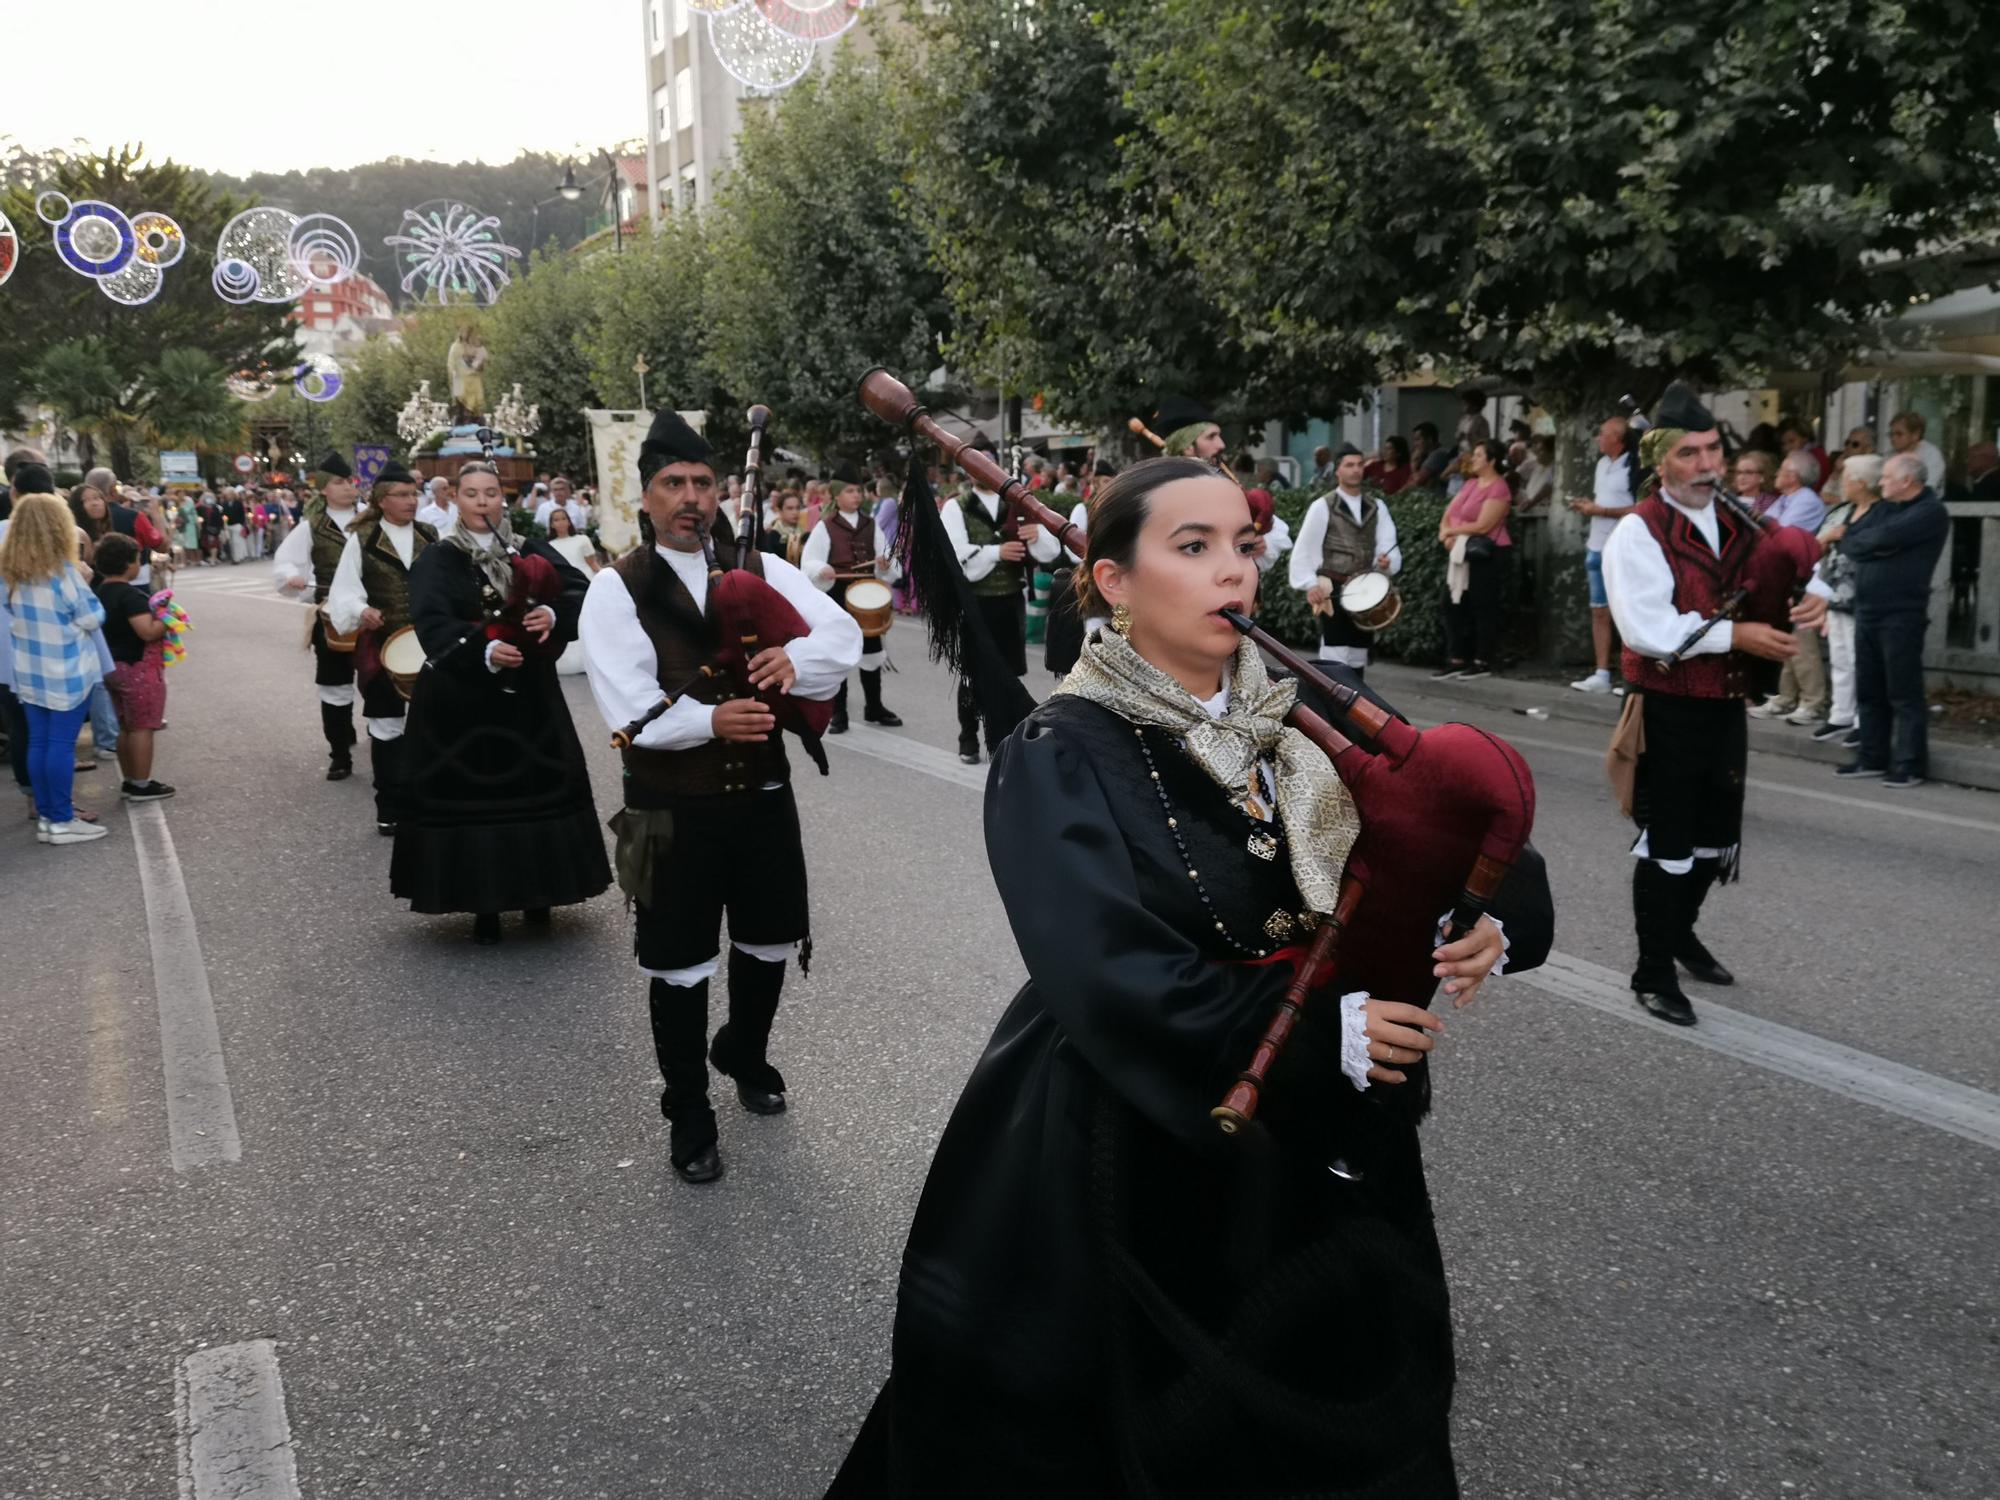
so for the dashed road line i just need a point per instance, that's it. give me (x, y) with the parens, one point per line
(201, 1113)
(235, 1439)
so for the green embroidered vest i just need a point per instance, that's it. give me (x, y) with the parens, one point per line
(383, 576)
(1006, 578)
(328, 542)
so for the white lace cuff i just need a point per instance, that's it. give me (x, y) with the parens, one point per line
(1354, 1038)
(1506, 944)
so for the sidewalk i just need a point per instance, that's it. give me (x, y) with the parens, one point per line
(1952, 760)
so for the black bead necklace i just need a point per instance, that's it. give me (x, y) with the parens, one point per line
(1174, 828)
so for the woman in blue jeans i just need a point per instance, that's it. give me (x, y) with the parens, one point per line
(52, 625)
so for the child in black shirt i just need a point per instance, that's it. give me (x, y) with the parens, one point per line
(137, 683)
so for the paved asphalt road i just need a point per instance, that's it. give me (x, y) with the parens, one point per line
(451, 1254)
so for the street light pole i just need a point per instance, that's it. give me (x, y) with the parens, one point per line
(639, 368)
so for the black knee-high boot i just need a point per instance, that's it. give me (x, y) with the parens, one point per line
(680, 1037)
(1657, 905)
(336, 722)
(740, 1046)
(871, 695)
(839, 724)
(385, 757)
(1689, 949)
(968, 722)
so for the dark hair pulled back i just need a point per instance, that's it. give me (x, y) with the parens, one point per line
(1118, 511)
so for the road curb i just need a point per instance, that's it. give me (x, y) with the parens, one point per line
(1962, 765)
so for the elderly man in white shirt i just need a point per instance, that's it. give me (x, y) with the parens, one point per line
(439, 510)
(1610, 502)
(559, 496)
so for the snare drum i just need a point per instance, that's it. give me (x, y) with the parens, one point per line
(872, 606)
(403, 658)
(1370, 600)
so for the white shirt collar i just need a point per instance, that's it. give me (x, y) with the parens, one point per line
(1219, 704)
(1704, 520)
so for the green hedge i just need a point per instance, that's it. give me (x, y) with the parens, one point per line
(1417, 635)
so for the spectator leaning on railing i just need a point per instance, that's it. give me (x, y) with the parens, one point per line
(1895, 548)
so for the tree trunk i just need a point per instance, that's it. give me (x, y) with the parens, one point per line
(121, 454)
(1564, 631)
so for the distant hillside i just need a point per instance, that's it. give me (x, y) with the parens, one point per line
(372, 198)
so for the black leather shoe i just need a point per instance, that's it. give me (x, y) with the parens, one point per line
(883, 717)
(760, 1088)
(387, 830)
(968, 751)
(759, 1101)
(486, 928)
(1673, 1009)
(340, 770)
(1705, 967)
(839, 724)
(704, 1166)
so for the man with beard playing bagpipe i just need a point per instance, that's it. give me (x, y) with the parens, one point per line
(308, 559)
(498, 814)
(370, 595)
(700, 649)
(1698, 587)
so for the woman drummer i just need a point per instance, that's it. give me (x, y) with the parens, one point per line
(1345, 532)
(499, 814)
(845, 547)
(1102, 1295)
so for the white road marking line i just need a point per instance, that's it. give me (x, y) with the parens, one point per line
(1915, 1095)
(913, 755)
(235, 1439)
(1909, 1092)
(201, 1114)
(1867, 804)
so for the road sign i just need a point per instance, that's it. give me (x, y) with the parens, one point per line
(245, 464)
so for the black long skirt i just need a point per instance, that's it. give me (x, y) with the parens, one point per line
(500, 814)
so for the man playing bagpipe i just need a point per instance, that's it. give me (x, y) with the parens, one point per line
(1700, 594)
(709, 826)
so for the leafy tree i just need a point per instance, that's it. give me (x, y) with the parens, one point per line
(187, 405)
(1031, 176)
(79, 382)
(1589, 200)
(539, 332)
(45, 303)
(813, 274)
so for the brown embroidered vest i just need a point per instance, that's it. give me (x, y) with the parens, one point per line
(684, 640)
(1349, 548)
(384, 576)
(328, 542)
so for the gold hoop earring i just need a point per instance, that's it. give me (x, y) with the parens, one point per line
(1121, 619)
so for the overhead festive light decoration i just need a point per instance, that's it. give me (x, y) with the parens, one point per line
(318, 377)
(252, 386)
(160, 242)
(133, 285)
(261, 239)
(324, 250)
(452, 250)
(94, 239)
(234, 281)
(754, 52)
(810, 20)
(10, 247)
(51, 207)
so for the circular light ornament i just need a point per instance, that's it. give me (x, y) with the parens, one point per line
(755, 53)
(160, 240)
(251, 387)
(10, 247)
(318, 377)
(810, 20)
(95, 239)
(51, 207)
(261, 238)
(712, 7)
(134, 284)
(235, 281)
(324, 250)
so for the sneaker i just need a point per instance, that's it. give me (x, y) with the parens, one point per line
(1596, 682)
(1853, 740)
(1827, 732)
(76, 831)
(1474, 672)
(1771, 708)
(41, 829)
(1447, 673)
(1902, 780)
(1855, 771)
(1802, 717)
(145, 791)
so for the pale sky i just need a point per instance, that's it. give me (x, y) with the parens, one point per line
(350, 81)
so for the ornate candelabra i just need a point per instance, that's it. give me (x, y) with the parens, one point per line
(516, 417)
(422, 415)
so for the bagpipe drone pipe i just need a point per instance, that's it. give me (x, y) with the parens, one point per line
(1446, 813)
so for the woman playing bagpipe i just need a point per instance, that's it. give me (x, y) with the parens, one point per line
(500, 816)
(1104, 1294)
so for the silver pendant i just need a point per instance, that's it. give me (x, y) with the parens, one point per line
(1263, 845)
